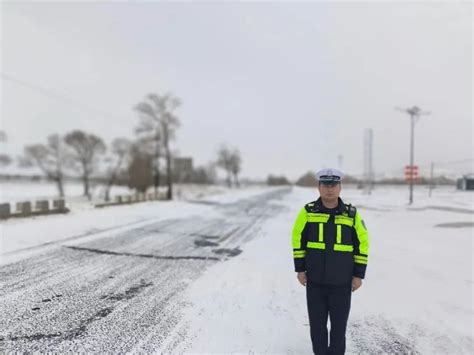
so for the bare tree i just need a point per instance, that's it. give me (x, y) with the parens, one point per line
(230, 161)
(203, 174)
(236, 165)
(211, 172)
(5, 159)
(86, 149)
(51, 158)
(149, 141)
(277, 180)
(121, 149)
(158, 118)
(140, 169)
(224, 161)
(308, 179)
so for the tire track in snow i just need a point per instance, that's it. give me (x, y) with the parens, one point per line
(122, 292)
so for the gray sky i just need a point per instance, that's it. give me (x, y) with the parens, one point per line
(293, 85)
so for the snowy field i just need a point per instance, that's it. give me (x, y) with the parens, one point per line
(215, 275)
(84, 219)
(13, 191)
(19, 191)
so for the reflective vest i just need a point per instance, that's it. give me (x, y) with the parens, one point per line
(331, 246)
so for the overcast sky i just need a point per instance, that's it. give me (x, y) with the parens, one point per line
(292, 85)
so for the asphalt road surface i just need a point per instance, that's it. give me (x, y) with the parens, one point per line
(120, 292)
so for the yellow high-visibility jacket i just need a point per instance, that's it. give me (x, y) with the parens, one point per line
(331, 245)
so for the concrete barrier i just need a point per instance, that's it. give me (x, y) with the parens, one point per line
(133, 198)
(5, 210)
(42, 206)
(23, 208)
(59, 205)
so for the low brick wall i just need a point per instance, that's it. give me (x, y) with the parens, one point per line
(5, 210)
(129, 199)
(42, 206)
(24, 209)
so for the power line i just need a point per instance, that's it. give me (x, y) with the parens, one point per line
(53, 95)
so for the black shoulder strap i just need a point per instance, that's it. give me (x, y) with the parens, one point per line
(351, 210)
(311, 207)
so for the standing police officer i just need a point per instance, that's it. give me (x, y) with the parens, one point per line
(330, 250)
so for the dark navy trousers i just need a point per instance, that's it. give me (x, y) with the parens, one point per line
(335, 301)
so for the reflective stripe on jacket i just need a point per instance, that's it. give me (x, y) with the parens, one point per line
(330, 245)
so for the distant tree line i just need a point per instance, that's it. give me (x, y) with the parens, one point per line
(309, 180)
(5, 159)
(135, 162)
(277, 180)
(230, 161)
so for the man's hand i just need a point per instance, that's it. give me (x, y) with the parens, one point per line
(356, 283)
(301, 276)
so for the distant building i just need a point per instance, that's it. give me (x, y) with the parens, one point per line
(182, 168)
(466, 182)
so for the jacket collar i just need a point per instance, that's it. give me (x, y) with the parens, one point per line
(340, 206)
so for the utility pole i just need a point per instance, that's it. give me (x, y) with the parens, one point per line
(368, 166)
(415, 113)
(431, 178)
(340, 159)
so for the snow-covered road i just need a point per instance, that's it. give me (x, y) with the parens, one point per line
(121, 290)
(416, 298)
(216, 276)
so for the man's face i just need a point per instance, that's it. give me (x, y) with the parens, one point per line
(329, 192)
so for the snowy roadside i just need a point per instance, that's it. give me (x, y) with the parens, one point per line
(30, 233)
(417, 295)
(21, 191)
